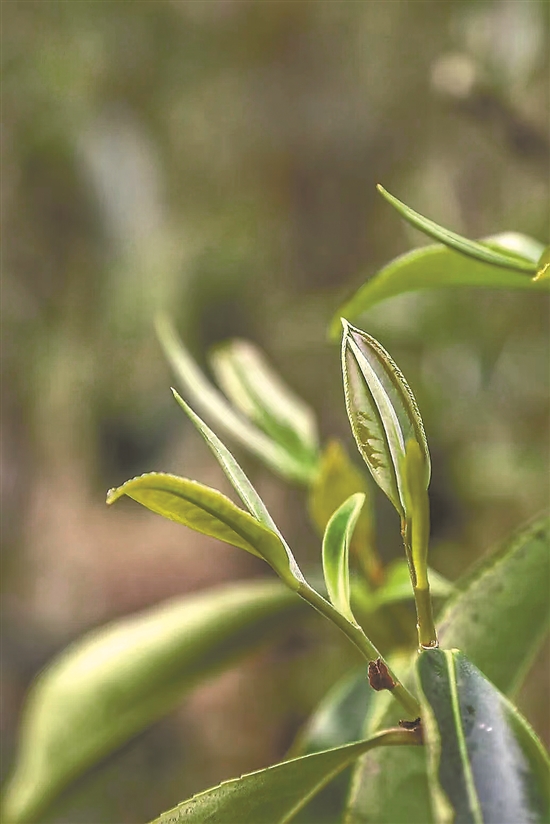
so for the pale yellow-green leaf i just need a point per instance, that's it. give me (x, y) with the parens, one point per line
(118, 679)
(208, 511)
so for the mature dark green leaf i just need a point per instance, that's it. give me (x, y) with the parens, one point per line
(335, 480)
(485, 763)
(470, 248)
(336, 543)
(208, 511)
(338, 719)
(500, 612)
(275, 795)
(389, 790)
(437, 266)
(117, 680)
(499, 617)
(215, 406)
(382, 412)
(249, 381)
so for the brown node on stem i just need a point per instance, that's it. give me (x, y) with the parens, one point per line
(379, 676)
(415, 728)
(411, 725)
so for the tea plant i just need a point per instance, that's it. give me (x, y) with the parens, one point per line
(431, 736)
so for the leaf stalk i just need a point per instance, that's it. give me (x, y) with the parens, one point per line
(359, 639)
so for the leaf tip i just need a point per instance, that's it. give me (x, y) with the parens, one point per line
(113, 495)
(384, 192)
(358, 499)
(178, 398)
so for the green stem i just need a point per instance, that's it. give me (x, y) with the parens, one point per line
(427, 635)
(360, 640)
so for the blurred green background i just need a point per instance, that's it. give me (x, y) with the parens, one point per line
(218, 159)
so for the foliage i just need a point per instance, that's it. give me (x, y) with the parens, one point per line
(456, 748)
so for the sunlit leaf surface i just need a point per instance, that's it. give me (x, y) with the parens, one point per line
(437, 266)
(117, 680)
(216, 407)
(208, 511)
(256, 389)
(469, 248)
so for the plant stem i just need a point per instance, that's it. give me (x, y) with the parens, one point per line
(427, 635)
(358, 637)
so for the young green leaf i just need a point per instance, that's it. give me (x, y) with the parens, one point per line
(211, 513)
(397, 587)
(470, 248)
(208, 511)
(275, 795)
(383, 413)
(116, 680)
(249, 381)
(485, 763)
(437, 266)
(499, 616)
(214, 405)
(238, 479)
(390, 435)
(335, 480)
(336, 542)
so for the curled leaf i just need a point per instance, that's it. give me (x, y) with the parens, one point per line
(258, 392)
(383, 414)
(336, 544)
(335, 480)
(216, 407)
